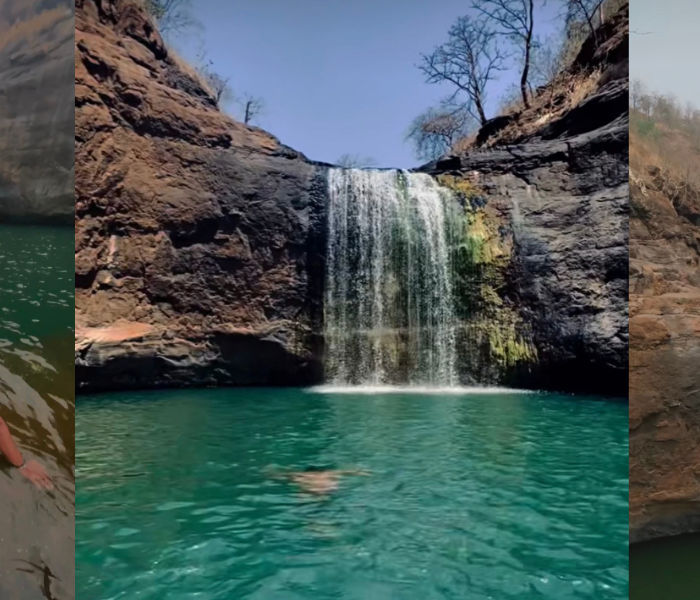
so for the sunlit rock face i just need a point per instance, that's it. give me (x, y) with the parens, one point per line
(208, 253)
(36, 110)
(664, 353)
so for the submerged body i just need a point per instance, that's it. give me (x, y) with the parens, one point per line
(323, 481)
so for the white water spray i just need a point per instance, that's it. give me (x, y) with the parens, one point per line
(388, 310)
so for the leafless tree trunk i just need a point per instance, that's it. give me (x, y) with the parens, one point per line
(252, 108)
(514, 19)
(586, 10)
(172, 16)
(468, 60)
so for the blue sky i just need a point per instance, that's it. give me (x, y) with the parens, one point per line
(664, 46)
(337, 76)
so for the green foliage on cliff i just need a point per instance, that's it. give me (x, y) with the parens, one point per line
(481, 246)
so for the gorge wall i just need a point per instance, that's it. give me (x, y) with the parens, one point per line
(36, 145)
(664, 344)
(201, 242)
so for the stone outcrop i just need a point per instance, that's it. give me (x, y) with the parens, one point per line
(197, 238)
(664, 353)
(200, 241)
(36, 111)
(549, 206)
(559, 210)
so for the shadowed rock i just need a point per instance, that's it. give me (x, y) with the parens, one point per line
(210, 235)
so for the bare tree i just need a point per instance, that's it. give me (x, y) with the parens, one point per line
(172, 16)
(355, 161)
(468, 60)
(252, 107)
(637, 91)
(435, 131)
(514, 19)
(546, 60)
(220, 86)
(585, 10)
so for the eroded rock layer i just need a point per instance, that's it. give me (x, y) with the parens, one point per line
(196, 237)
(664, 354)
(201, 242)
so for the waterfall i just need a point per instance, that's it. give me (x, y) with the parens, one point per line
(388, 307)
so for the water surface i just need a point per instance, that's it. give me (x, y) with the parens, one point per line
(468, 496)
(37, 402)
(666, 568)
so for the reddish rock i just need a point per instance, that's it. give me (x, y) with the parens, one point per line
(191, 228)
(664, 354)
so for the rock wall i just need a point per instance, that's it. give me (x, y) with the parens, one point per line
(36, 111)
(549, 299)
(200, 242)
(197, 238)
(664, 354)
(545, 190)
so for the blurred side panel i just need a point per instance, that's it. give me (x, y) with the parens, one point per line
(36, 110)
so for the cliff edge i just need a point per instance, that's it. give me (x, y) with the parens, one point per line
(200, 242)
(665, 331)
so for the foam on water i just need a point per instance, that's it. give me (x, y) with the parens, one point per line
(416, 389)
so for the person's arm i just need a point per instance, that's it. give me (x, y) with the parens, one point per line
(30, 469)
(8, 446)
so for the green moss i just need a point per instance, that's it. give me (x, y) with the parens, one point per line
(498, 340)
(495, 336)
(507, 348)
(462, 186)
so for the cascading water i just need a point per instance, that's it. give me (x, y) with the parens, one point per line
(388, 311)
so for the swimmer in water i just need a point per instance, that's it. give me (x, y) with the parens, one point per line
(319, 481)
(30, 469)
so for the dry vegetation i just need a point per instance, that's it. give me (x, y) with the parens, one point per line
(664, 154)
(566, 91)
(569, 71)
(29, 26)
(576, 80)
(664, 135)
(176, 18)
(195, 74)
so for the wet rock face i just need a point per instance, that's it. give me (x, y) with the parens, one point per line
(200, 242)
(561, 205)
(36, 111)
(664, 355)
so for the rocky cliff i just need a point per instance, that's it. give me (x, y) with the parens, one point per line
(664, 347)
(36, 110)
(546, 203)
(197, 238)
(200, 242)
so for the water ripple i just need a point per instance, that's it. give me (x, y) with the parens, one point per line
(478, 496)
